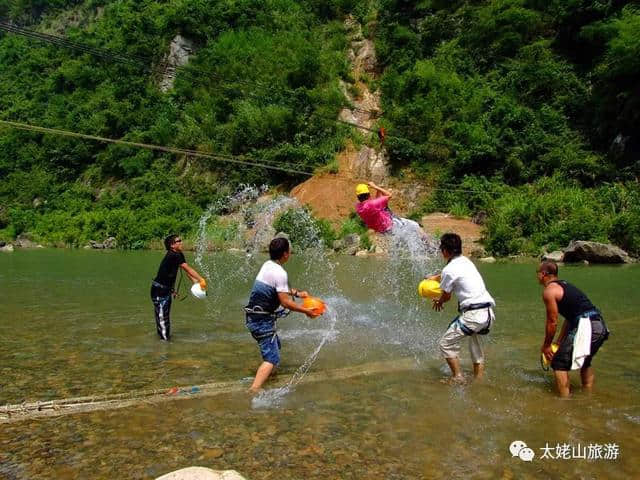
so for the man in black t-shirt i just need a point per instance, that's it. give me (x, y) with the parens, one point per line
(162, 287)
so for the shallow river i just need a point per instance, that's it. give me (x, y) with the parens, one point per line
(79, 323)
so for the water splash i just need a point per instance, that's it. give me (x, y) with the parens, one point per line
(256, 217)
(314, 259)
(239, 208)
(412, 255)
(273, 397)
(393, 321)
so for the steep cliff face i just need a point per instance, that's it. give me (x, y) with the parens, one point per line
(331, 195)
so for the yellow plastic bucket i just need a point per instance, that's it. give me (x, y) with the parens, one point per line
(429, 289)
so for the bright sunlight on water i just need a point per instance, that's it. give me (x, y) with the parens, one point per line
(80, 323)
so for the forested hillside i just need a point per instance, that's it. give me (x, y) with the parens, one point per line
(263, 82)
(527, 110)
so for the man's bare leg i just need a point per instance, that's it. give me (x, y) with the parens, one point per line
(264, 370)
(478, 370)
(456, 373)
(587, 376)
(562, 382)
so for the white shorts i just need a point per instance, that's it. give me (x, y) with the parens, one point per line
(401, 223)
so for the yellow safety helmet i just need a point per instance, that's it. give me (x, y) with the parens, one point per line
(362, 188)
(429, 289)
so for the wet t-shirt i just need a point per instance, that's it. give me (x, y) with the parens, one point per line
(271, 280)
(461, 278)
(168, 270)
(375, 214)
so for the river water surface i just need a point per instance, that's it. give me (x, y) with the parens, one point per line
(78, 323)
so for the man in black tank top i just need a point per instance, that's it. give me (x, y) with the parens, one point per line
(162, 286)
(561, 297)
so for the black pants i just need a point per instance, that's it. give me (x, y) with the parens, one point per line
(162, 308)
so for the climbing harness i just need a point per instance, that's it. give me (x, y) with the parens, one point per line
(258, 310)
(474, 306)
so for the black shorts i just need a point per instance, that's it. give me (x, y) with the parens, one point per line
(563, 357)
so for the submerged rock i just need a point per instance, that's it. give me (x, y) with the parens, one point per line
(201, 473)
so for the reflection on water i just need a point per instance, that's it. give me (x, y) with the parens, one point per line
(81, 323)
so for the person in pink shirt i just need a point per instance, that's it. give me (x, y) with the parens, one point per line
(375, 212)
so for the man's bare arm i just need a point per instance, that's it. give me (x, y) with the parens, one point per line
(380, 190)
(551, 324)
(287, 302)
(193, 275)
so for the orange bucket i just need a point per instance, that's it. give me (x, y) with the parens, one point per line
(314, 304)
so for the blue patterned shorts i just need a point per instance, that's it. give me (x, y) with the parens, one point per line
(263, 330)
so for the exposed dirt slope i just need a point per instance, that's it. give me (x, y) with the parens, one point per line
(332, 196)
(471, 233)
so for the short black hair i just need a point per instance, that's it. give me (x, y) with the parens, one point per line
(170, 240)
(278, 247)
(363, 196)
(548, 267)
(452, 243)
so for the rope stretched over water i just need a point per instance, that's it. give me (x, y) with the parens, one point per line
(70, 406)
(217, 156)
(149, 146)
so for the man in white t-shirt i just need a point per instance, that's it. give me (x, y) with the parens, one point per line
(461, 277)
(269, 294)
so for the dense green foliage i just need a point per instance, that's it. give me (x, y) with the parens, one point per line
(524, 109)
(303, 229)
(262, 82)
(519, 91)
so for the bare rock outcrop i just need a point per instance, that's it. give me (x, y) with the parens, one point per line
(25, 240)
(180, 49)
(331, 195)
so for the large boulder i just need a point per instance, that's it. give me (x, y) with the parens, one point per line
(594, 252)
(110, 243)
(24, 240)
